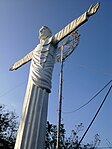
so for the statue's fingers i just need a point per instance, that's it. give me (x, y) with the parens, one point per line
(90, 7)
(11, 68)
(98, 5)
(95, 8)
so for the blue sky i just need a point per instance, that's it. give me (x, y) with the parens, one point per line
(86, 71)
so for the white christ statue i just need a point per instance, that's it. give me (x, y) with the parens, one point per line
(32, 128)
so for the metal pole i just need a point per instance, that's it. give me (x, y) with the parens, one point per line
(60, 99)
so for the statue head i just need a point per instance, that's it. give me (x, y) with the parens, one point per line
(44, 33)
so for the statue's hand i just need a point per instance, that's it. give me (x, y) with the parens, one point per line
(93, 9)
(12, 68)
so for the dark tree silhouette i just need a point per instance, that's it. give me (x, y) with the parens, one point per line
(68, 142)
(8, 128)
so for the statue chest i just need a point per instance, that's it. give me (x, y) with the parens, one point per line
(44, 54)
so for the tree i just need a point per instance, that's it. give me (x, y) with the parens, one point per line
(8, 128)
(67, 142)
(51, 136)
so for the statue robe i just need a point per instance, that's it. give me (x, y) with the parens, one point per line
(34, 115)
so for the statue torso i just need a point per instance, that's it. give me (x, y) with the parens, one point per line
(42, 65)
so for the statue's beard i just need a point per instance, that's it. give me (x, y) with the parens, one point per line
(42, 37)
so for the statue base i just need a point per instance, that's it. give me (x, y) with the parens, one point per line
(32, 129)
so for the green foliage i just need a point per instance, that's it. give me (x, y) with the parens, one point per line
(67, 142)
(8, 128)
(51, 136)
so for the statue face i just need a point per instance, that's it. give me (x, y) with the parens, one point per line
(44, 33)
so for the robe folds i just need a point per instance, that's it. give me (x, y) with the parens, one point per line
(34, 115)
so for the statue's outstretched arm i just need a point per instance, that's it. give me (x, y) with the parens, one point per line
(76, 23)
(22, 61)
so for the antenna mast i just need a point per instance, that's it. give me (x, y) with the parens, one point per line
(60, 98)
(69, 45)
